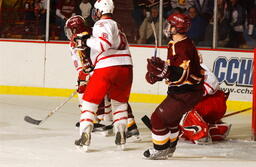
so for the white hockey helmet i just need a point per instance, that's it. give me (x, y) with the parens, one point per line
(104, 6)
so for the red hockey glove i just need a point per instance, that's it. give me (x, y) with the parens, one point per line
(81, 87)
(151, 78)
(82, 81)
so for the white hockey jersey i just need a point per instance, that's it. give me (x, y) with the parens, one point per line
(211, 83)
(75, 55)
(109, 46)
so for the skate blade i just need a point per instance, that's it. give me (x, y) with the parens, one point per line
(83, 149)
(156, 158)
(121, 147)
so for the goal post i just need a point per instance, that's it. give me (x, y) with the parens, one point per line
(254, 99)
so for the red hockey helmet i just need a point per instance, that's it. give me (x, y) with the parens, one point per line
(181, 22)
(75, 25)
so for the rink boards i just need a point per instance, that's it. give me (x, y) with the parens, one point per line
(38, 68)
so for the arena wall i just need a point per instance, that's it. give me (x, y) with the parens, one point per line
(38, 68)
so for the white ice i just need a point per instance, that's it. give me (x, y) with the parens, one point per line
(52, 143)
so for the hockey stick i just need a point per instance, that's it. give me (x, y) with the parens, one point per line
(39, 122)
(154, 32)
(145, 119)
(237, 112)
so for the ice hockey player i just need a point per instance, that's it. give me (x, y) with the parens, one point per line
(112, 74)
(81, 59)
(182, 72)
(74, 26)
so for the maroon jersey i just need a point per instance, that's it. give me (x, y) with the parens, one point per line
(66, 7)
(184, 63)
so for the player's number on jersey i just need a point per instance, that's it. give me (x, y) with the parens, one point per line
(123, 41)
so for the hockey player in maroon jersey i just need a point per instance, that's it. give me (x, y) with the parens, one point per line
(182, 72)
(74, 26)
(203, 124)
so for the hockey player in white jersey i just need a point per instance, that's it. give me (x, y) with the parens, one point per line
(112, 74)
(81, 60)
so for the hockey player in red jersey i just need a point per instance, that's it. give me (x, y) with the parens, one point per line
(182, 72)
(74, 27)
(112, 74)
(203, 124)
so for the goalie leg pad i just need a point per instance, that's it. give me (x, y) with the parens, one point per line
(219, 132)
(194, 127)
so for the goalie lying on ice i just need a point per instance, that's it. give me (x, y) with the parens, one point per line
(203, 124)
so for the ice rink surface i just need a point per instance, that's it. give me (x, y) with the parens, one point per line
(52, 144)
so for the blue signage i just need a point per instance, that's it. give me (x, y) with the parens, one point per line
(234, 71)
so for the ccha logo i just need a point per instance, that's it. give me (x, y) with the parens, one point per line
(234, 71)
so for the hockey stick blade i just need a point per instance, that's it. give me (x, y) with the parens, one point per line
(145, 119)
(32, 120)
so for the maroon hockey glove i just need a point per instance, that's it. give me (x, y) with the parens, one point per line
(151, 78)
(158, 68)
(155, 65)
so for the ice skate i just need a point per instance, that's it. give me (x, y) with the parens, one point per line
(85, 139)
(98, 128)
(133, 135)
(120, 137)
(154, 154)
(104, 130)
(172, 148)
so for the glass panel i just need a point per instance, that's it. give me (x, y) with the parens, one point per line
(22, 19)
(236, 20)
(123, 15)
(201, 30)
(61, 10)
(236, 24)
(202, 25)
(144, 13)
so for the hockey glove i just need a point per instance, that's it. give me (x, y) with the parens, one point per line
(80, 40)
(82, 81)
(155, 65)
(151, 78)
(158, 67)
